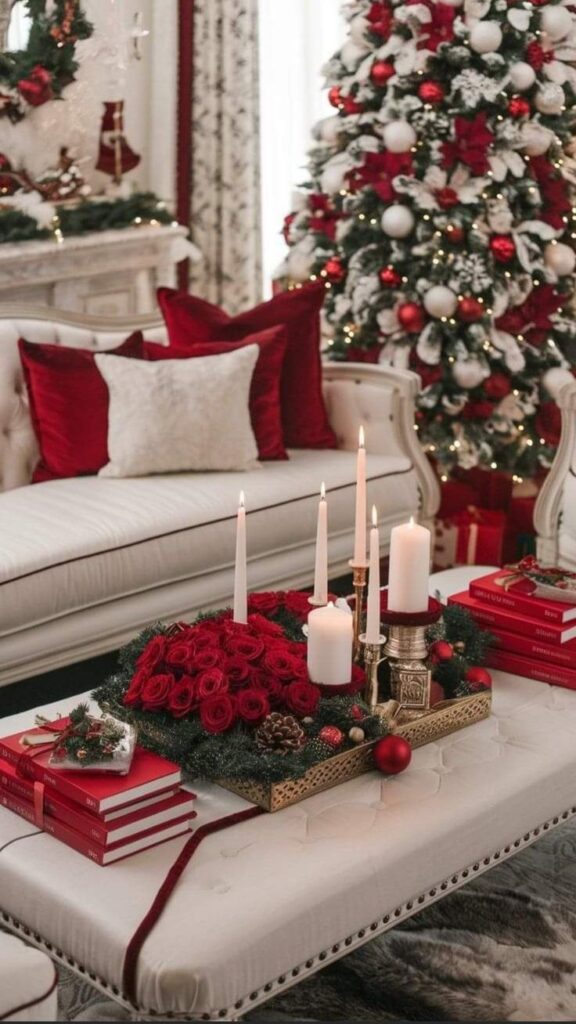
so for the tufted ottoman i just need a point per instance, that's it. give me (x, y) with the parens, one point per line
(28, 981)
(273, 899)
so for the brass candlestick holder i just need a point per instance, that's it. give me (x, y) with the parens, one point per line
(373, 656)
(407, 651)
(359, 575)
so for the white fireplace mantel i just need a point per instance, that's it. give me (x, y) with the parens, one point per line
(106, 273)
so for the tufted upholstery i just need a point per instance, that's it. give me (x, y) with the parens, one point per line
(263, 904)
(555, 511)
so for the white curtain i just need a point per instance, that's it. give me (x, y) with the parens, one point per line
(296, 38)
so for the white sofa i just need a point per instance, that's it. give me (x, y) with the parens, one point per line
(555, 510)
(87, 562)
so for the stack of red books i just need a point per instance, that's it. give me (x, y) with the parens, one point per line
(531, 636)
(104, 816)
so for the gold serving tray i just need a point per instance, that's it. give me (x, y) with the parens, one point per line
(444, 718)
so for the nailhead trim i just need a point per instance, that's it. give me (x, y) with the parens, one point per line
(313, 964)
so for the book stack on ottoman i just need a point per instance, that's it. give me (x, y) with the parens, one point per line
(532, 636)
(104, 816)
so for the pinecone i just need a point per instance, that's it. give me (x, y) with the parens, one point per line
(280, 734)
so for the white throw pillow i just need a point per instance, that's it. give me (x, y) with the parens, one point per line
(179, 414)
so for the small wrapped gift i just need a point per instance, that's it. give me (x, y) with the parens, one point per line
(471, 537)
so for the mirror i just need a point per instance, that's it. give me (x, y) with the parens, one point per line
(15, 25)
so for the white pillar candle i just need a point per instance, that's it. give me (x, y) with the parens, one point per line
(373, 605)
(330, 635)
(409, 568)
(321, 568)
(360, 523)
(240, 595)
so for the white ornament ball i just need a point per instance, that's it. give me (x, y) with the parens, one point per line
(399, 136)
(556, 21)
(469, 373)
(560, 258)
(440, 301)
(550, 99)
(555, 378)
(485, 37)
(522, 76)
(536, 139)
(397, 221)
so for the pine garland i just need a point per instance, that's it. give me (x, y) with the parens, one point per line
(88, 216)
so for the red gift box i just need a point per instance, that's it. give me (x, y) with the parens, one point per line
(474, 536)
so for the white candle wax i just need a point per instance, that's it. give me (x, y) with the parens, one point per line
(373, 604)
(330, 636)
(360, 522)
(321, 569)
(240, 594)
(409, 568)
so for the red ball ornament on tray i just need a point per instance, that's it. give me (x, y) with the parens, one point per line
(518, 107)
(334, 270)
(478, 678)
(331, 735)
(470, 310)
(381, 71)
(392, 754)
(441, 650)
(411, 317)
(502, 248)
(431, 92)
(389, 277)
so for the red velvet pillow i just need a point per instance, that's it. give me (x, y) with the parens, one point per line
(265, 387)
(69, 406)
(190, 320)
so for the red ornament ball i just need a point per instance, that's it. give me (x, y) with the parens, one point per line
(535, 56)
(431, 92)
(334, 96)
(441, 650)
(469, 309)
(446, 197)
(478, 678)
(331, 735)
(334, 270)
(518, 107)
(381, 71)
(497, 385)
(389, 277)
(392, 755)
(503, 248)
(357, 713)
(455, 234)
(411, 317)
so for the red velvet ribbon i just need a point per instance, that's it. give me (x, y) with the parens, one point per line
(129, 973)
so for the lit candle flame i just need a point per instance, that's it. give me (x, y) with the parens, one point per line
(374, 516)
(411, 521)
(323, 491)
(361, 441)
(241, 502)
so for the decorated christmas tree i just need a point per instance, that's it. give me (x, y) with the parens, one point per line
(439, 212)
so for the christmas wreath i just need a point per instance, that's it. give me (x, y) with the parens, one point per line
(232, 701)
(31, 77)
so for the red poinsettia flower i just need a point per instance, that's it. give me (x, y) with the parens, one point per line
(553, 190)
(428, 374)
(440, 28)
(477, 411)
(532, 318)
(472, 139)
(380, 17)
(288, 221)
(379, 171)
(549, 422)
(324, 217)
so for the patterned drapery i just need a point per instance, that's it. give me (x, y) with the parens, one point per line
(225, 203)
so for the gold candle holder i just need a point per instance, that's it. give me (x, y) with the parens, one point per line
(407, 651)
(359, 576)
(372, 651)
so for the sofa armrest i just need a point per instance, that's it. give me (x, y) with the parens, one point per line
(548, 510)
(382, 399)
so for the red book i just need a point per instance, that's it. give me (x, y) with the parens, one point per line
(98, 791)
(134, 820)
(95, 851)
(519, 598)
(527, 646)
(488, 616)
(556, 675)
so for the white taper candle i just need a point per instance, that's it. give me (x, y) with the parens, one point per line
(373, 604)
(321, 568)
(240, 594)
(360, 522)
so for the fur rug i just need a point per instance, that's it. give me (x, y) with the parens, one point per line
(501, 948)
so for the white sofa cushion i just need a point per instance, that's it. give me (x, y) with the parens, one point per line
(67, 545)
(28, 982)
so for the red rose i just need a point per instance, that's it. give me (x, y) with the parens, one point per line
(280, 663)
(218, 713)
(182, 697)
(37, 88)
(260, 680)
(210, 682)
(549, 422)
(246, 646)
(202, 637)
(299, 650)
(134, 692)
(208, 657)
(180, 654)
(302, 698)
(263, 626)
(156, 691)
(237, 669)
(264, 604)
(297, 604)
(152, 654)
(300, 670)
(253, 705)
(497, 385)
